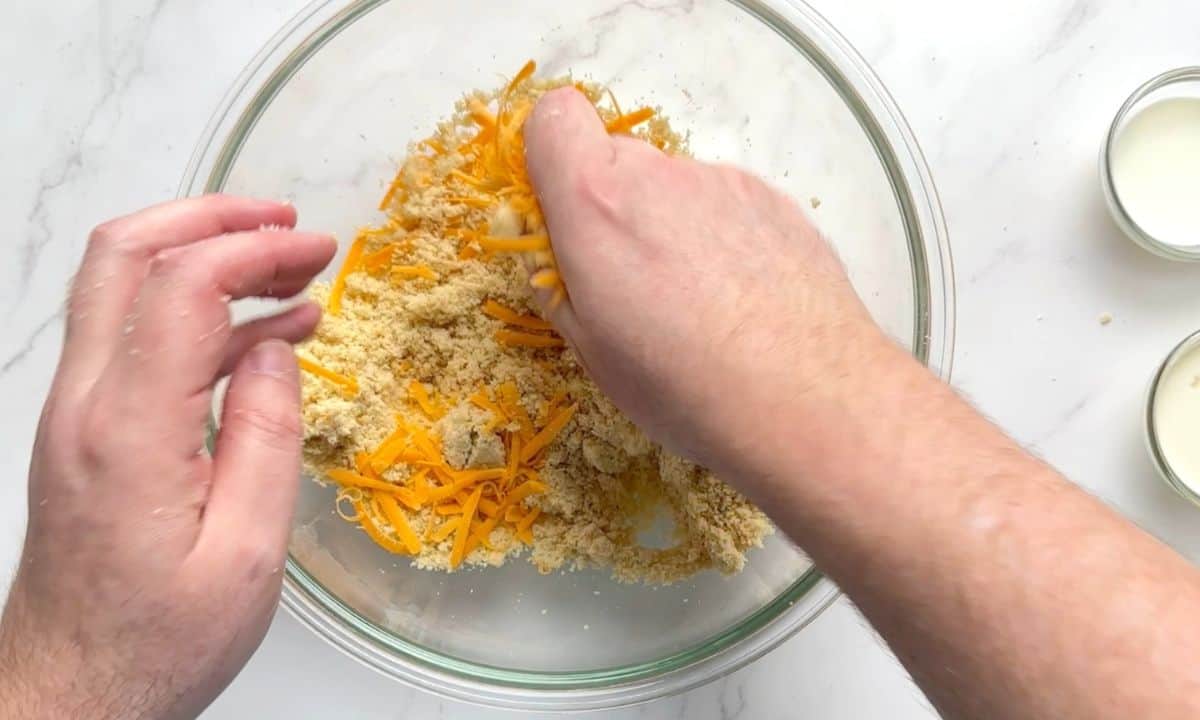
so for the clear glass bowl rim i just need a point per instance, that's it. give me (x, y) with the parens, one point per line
(933, 344)
(1122, 217)
(1165, 471)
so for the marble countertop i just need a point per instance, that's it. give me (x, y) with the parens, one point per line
(1010, 102)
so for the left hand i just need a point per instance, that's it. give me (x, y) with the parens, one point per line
(151, 570)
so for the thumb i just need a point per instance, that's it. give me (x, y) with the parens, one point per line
(565, 141)
(566, 145)
(257, 460)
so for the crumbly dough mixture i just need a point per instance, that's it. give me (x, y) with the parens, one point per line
(604, 480)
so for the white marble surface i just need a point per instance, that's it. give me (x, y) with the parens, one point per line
(105, 100)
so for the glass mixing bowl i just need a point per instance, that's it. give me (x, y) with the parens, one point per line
(321, 117)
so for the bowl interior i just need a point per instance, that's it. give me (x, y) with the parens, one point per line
(326, 131)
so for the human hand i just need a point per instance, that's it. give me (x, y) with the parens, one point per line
(702, 301)
(150, 570)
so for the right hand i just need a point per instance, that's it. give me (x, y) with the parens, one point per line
(702, 301)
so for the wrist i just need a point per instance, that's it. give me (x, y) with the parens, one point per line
(813, 425)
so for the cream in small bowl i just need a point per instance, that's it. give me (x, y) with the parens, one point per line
(1173, 419)
(1151, 165)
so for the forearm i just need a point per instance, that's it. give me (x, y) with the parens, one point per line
(43, 674)
(18, 698)
(1006, 591)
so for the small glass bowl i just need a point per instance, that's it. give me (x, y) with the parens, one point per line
(1182, 82)
(1161, 464)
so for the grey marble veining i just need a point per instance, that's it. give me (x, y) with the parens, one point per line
(1010, 102)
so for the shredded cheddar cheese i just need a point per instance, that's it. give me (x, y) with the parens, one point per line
(418, 393)
(516, 338)
(349, 265)
(349, 384)
(493, 309)
(402, 272)
(547, 434)
(624, 123)
(464, 528)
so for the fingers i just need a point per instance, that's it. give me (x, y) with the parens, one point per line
(115, 264)
(256, 466)
(177, 339)
(291, 326)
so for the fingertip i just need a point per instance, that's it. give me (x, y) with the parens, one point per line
(563, 124)
(308, 317)
(288, 212)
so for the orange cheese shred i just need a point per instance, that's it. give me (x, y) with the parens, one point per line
(480, 114)
(447, 529)
(426, 444)
(403, 272)
(420, 483)
(545, 279)
(379, 259)
(395, 516)
(624, 123)
(416, 390)
(514, 338)
(464, 480)
(481, 533)
(394, 188)
(547, 434)
(522, 75)
(524, 243)
(410, 499)
(435, 145)
(349, 384)
(481, 400)
(463, 531)
(362, 464)
(527, 522)
(524, 490)
(493, 309)
(349, 478)
(514, 460)
(511, 402)
(353, 256)
(486, 506)
(390, 450)
(372, 529)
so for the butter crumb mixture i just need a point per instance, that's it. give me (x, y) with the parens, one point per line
(456, 425)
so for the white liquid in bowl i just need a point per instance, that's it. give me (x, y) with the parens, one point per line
(1156, 170)
(1177, 417)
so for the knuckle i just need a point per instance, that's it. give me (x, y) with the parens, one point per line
(173, 263)
(98, 435)
(598, 186)
(110, 236)
(254, 563)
